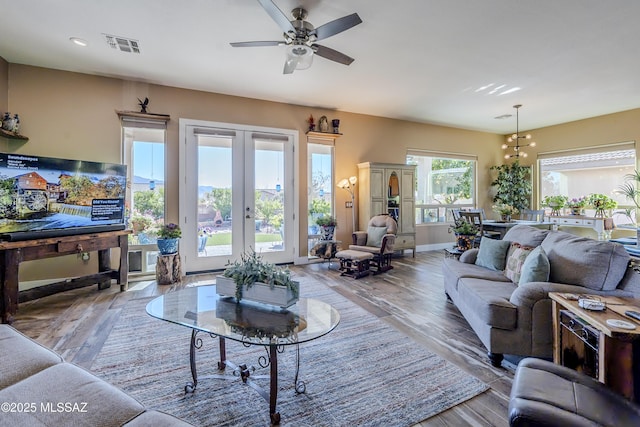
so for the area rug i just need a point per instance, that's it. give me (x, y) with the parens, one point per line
(364, 373)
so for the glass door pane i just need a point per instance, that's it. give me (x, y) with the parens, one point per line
(269, 198)
(215, 194)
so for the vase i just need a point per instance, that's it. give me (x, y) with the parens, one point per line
(506, 217)
(576, 211)
(327, 231)
(168, 246)
(280, 296)
(464, 241)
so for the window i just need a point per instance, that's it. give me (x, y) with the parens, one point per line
(320, 185)
(444, 182)
(143, 151)
(578, 173)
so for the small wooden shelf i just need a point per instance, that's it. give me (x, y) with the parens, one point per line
(323, 134)
(140, 115)
(12, 135)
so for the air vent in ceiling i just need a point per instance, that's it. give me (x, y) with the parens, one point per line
(123, 44)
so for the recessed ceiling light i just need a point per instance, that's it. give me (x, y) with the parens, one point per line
(79, 41)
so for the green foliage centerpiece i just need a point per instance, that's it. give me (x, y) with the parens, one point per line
(168, 236)
(555, 203)
(465, 233)
(253, 279)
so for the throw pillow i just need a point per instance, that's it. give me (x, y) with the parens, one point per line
(536, 267)
(492, 253)
(375, 235)
(515, 259)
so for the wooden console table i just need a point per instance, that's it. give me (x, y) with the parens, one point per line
(615, 351)
(13, 253)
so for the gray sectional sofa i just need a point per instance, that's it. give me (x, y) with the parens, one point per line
(38, 388)
(516, 319)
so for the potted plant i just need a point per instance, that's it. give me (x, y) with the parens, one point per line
(253, 279)
(576, 204)
(555, 203)
(505, 211)
(602, 203)
(327, 225)
(513, 185)
(168, 237)
(465, 233)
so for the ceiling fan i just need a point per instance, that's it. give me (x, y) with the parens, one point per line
(300, 37)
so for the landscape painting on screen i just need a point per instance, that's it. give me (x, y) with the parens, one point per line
(43, 193)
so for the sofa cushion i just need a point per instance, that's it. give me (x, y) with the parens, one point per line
(526, 235)
(461, 269)
(536, 267)
(598, 265)
(22, 357)
(489, 301)
(516, 256)
(492, 253)
(375, 235)
(93, 400)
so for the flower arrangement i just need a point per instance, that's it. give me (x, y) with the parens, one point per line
(170, 231)
(252, 268)
(577, 202)
(602, 203)
(505, 210)
(326, 221)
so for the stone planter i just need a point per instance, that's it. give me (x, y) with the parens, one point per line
(259, 292)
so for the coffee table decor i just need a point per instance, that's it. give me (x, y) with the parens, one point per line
(253, 279)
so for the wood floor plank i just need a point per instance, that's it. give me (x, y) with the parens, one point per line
(410, 298)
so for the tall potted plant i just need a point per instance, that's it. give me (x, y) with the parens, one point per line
(168, 237)
(513, 185)
(631, 190)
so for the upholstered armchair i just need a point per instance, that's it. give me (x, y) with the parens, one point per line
(379, 240)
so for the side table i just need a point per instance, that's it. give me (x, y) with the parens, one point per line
(452, 253)
(584, 339)
(168, 269)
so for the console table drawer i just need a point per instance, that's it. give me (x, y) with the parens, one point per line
(571, 221)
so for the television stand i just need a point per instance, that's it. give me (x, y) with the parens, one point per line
(13, 253)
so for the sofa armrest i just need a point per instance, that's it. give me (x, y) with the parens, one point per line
(469, 256)
(527, 294)
(359, 238)
(388, 242)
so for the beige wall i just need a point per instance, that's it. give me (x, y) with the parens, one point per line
(73, 115)
(4, 86)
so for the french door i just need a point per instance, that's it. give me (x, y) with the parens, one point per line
(237, 194)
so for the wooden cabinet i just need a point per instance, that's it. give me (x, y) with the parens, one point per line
(388, 188)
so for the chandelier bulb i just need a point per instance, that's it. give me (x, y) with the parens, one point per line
(507, 156)
(514, 136)
(533, 144)
(528, 136)
(505, 146)
(524, 154)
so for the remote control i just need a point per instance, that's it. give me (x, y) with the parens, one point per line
(633, 314)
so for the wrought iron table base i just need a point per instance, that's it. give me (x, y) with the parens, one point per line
(244, 372)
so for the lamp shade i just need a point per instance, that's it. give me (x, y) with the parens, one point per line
(343, 183)
(300, 55)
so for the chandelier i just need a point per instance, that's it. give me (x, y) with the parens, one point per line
(515, 138)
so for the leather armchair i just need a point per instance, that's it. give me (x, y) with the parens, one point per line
(379, 240)
(545, 394)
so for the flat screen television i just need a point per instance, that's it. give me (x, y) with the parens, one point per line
(48, 197)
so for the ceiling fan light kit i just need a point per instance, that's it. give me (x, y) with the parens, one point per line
(300, 37)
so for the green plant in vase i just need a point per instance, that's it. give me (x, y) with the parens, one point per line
(555, 203)
(603, 204)
(465, 233)
(631, 190)
(505, 211)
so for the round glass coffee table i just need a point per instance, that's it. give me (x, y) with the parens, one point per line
(202, 310)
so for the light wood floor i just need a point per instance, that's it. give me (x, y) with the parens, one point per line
(410, 297)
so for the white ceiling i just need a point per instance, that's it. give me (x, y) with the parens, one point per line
(419, 60)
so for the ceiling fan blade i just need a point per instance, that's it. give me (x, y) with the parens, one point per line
(331, 54)
(334, 27)
(290, 65)
(277, 15)
(253, 44)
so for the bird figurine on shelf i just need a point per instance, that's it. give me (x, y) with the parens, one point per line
(143, 105)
